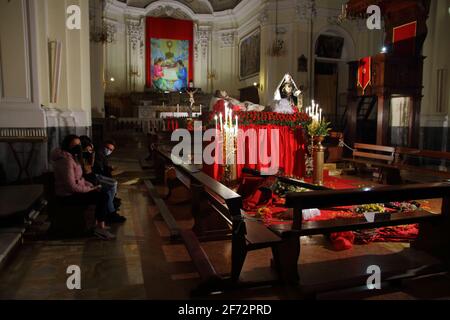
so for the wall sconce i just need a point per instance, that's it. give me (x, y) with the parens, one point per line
(257, 85)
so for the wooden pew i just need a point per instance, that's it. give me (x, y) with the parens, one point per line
(434, 229)
(226, 205)
(381, 157)
(20, 206)
(403, 157)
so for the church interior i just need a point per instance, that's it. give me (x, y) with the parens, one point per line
(224, 150)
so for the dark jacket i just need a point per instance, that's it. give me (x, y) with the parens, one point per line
(101, 165)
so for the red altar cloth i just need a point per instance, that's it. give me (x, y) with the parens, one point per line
(291, 152)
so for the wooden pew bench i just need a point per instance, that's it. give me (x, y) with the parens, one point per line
(434, 235)
(20, 206)
(381, 157)
(217, 213)
(417, 163)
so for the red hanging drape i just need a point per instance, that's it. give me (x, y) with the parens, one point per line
(404, 38)
(166, 28)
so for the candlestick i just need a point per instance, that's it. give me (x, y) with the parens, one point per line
(226, 114)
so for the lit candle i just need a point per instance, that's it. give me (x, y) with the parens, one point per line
(226, 114)
(231, 117)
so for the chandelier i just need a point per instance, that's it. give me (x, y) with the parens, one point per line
(278, 48)
(101, 32)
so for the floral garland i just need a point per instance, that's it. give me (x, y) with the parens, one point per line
(294, 120)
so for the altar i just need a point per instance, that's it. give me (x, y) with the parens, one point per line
(288, 153)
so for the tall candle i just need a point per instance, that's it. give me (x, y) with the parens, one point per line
(215, 119)
(236, 117)
(226, 114)
(221, 123)
(320, 114)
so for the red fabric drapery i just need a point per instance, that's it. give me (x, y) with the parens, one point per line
(364, 72)
(166, 28)
(290, 157)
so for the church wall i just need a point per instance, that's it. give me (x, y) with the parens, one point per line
(434, 116)
(26, 29)
(217, 57)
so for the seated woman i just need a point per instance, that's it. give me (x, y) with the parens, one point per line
(70, 186)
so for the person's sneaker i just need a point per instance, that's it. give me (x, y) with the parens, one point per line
(117, 203)
(115, 218)
(104, 234)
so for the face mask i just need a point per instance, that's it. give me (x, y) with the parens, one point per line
(107, 152)
(76, 150)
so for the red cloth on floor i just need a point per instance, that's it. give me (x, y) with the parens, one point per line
(342, 240)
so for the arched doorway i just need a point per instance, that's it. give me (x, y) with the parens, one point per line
(333, 49)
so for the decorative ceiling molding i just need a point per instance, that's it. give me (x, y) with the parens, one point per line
(135, 31)
(197, 6)
(227, 38)
(202, 39)
(169, 11)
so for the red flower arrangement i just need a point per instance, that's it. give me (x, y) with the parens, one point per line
(294, 120)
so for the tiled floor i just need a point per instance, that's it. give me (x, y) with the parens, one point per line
(143, 264)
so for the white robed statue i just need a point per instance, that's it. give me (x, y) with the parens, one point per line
(287, 97)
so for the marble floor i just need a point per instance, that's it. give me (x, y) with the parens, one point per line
(142, 263)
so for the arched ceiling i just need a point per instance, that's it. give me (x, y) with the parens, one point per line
(197, 6)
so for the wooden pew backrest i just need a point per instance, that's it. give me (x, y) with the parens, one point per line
(374, 152)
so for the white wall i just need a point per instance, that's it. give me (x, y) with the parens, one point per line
(26, 27)
(19, 88)
(437, 53)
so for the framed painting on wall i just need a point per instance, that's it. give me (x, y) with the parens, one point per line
(250, 55)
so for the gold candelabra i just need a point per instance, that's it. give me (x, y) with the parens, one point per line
(228, 133)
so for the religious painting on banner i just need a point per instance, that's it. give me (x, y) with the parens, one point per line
(364, 73)
(170, 65)
(169, 54)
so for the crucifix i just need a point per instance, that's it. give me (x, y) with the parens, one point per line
(191, 100)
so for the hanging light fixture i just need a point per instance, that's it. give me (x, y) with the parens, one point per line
(277, 49)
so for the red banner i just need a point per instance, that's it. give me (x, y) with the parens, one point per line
(403, 38)
(364, 72)
(164, 28)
